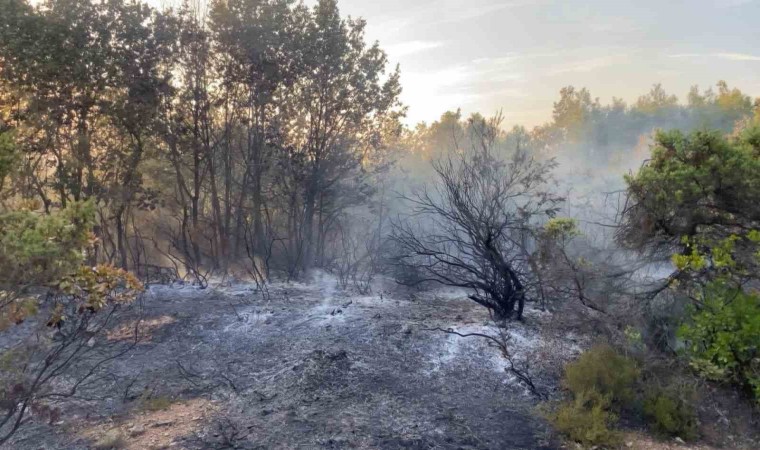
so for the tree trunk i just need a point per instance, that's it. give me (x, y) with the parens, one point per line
(121, 239)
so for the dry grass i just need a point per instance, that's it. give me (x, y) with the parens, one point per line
(112, 439)
(155, 429)
(145, 329)
(153, 404)
(638, 441)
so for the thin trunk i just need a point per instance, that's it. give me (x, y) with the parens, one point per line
(218, 220)
(121, 239)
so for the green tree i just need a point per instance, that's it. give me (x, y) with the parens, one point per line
(656, 100)
(89, 78)
(573, 112)
(258, 45)
(339, 111)
(700, 184)
(8, 157)
(699, 197)
(43, 281)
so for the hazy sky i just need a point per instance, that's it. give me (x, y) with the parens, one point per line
(489, 55)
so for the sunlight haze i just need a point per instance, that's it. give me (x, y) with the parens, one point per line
(515, 56)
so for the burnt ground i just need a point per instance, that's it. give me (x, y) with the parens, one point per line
(304, 367)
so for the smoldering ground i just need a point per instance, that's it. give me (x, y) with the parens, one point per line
(310, 366)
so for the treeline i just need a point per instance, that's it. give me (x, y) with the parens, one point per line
(584, 127)
(250, 136)
(202, 137)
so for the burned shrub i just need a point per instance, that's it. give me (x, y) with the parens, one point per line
(473, 228)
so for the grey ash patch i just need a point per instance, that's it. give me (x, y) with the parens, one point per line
(308, 368)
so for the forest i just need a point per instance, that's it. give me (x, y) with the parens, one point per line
(216, 225)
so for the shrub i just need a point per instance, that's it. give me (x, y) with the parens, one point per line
(587, 420)
(112, 440)
(600, 381)
(38, 250)
(723, 337)
(152, 404)
(670, 411)
(603, 371)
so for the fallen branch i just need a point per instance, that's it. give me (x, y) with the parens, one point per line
(501, 343)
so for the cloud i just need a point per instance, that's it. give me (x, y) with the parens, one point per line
(431, 93)
(411, 47)
(738, 57)
(731, 3)
(440, 12)
(726, 56)
(587, 65)
(463, 11)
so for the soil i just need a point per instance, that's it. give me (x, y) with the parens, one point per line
(306, 366)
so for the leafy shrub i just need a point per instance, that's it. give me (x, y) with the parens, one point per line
(670, 411)
(8, 156)
(723, 336)
(600, 381)
(603, 371)
(38, 250)
(72, 306)
(702, 190)
(587, 420)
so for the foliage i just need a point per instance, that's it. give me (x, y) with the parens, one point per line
(602, 372)
(573, 110)
(600, 382)
(700, 184)
(68, 343)
(699, 197)
(603, 383)
(656, 100)
(587, 421)
(723, 336)
(38, 250)
(43, 280)
(8, 156)
(92, 289)
(582, 125)
(670, 411)
(561, 228)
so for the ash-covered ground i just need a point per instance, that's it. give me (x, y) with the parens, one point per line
(307, 366)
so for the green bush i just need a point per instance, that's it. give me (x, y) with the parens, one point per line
(599, 382)
(603, 371)
(723, 337)
(587, 420)
(670, 411)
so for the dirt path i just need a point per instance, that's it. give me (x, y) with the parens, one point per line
(306, 368)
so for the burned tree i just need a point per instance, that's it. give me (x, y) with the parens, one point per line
(473, 226)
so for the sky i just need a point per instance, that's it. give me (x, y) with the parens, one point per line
(515, 55)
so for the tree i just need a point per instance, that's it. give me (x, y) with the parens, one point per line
(473, 227)
(700, 185)
(89, 80)
(698, 198)
(656, 100)
(339, 111)
(69, 306)
(259, 50)
(573, 111)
